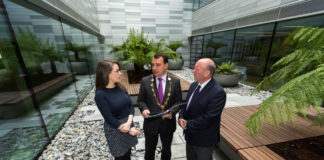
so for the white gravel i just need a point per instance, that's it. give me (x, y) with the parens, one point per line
(86, 140)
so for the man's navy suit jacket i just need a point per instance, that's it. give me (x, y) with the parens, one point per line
(204, 115)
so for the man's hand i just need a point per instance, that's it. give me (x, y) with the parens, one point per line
(145, 113)
(169, 115)
(182, 123)
(134, 132)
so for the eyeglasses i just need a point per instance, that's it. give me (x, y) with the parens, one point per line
(117, 71)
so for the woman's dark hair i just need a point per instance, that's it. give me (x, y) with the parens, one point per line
(104, 68)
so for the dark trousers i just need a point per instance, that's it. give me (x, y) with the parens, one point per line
(126, 156)
(199, 153)
(151, 142)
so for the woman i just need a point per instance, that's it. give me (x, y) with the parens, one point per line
(117, 109)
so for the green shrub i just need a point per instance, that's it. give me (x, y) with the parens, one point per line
(227, 68)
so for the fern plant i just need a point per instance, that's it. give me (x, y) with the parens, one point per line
(227, 68)
(136, 48)
(77, 49)
(174, 45)
(300, 76)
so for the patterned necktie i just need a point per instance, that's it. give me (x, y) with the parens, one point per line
(194, 96)
(160, 90)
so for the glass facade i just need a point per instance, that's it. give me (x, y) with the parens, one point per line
(41, 80)
(254, 49)
(200, 3)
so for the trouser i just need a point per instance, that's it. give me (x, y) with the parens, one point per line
(198, 152)
(151, 142)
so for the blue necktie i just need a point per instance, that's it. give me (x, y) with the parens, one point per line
(194, 96)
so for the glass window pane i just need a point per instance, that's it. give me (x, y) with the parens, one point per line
(21, 133)
(205, 2)
(251, 50)
(78, 57)
(196, 50)
(195, 4)
(282, 31)
(207, 45)
(40, 40)
(222, 43)
(96, 54)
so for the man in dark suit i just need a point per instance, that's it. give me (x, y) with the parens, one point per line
(200, 118)
(158, 92)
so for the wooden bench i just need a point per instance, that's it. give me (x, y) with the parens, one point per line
(13, 104)
(17, 96)
(235, 134)
(133, 89)
(257, 153)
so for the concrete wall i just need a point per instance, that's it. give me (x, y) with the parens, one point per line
(161, 19)
(79, 12)
(229, 14)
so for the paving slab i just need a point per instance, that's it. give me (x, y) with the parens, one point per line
(234, 100)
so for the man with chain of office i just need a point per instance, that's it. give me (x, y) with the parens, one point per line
(158, 93)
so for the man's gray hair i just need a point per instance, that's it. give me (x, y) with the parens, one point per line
(212, 68)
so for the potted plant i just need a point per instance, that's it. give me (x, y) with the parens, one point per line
(78, 63)
(123, 56)
(226, 76)
(175, 61)
(135, 49)
(162, 47)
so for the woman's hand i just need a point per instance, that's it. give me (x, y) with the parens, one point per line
(123, 129)
(127, 126)
(134, 132)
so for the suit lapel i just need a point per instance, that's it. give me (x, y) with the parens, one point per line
(189, 95)
(202, 92)
(206, 88)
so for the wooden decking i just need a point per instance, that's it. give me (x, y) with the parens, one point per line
(235, 134)
(133, 89)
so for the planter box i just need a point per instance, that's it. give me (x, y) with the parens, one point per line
(228, 80)
(80, 68)
(175, 64)
(124, 66)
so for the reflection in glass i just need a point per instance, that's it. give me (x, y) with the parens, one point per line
(78, 53)
(196, 50)
(207, 46)
(96, 54)
(41, 43)
(21, 132)
(251, 49)
(221, 46)
(283, 29)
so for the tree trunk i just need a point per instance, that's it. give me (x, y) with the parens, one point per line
(139, 69)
